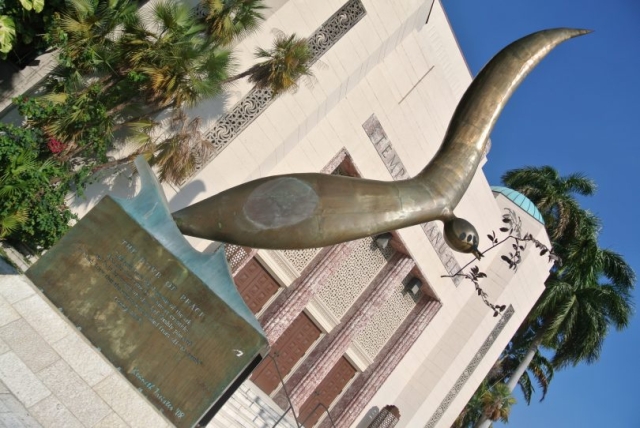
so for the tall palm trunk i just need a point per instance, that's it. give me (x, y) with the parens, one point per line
(149, 114)
(239, 76)
(484, 421)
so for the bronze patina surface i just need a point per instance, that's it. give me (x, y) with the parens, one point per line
(314, 210)
(175, 338)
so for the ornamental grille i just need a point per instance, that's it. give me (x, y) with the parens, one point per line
(241, 115)
(471, 367)
(388, 417)
(335, 27)
(257, 100)
(229, 126)
(300, 258)
(354, 275)
(235, 255)
(386, 320)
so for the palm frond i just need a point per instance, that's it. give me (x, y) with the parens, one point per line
(526, 387)
(229, 20)
(283, 65)
(11, 222)
(178, 155)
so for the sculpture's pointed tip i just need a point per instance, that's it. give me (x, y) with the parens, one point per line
(561, 34)
(574, 32)
(583, 31)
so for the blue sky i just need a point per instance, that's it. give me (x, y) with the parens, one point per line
(578, 112)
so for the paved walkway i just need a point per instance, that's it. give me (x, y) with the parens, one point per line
(13, 414)
(14, 82)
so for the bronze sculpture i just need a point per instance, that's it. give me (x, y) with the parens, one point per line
(314, 210)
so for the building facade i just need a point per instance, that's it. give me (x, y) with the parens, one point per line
(382, 321)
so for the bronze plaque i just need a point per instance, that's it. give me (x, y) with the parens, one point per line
(174, 339)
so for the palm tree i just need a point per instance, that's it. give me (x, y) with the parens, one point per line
(11, 222)
(594, 288)
(32, 193)
(12, 185)
(489, 402)
(78, 119)
(164, 58)
(175, 62)
(227, 20)
(151, 63)
(539, 369)
(281, 66)
(474, 409)
(178, 155)
(497, 402)
(576, 310)
(552, 194)
(85, 34)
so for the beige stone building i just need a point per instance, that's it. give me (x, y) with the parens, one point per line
(370, 323)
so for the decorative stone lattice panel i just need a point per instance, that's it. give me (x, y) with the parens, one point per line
(386, 321)
(471, 367)
(388, 417)
(229, 126)
(365, 386)
(335, 27)
(235, 255)
(353, 276)
(300, 258)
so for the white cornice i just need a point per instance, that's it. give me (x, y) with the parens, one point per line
(278, 266)
(322, 314)
(358, 356)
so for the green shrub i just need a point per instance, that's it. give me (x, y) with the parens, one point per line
(33, 188)
(30, 20)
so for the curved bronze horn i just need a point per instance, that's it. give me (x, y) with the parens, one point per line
(315, 210)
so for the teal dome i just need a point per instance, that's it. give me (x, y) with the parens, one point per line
(520, 200)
